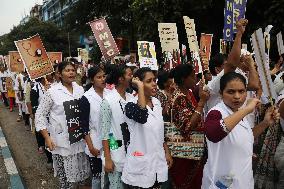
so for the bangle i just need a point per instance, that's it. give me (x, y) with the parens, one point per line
(198, 112)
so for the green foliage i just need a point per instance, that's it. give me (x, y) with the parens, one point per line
(53, 38)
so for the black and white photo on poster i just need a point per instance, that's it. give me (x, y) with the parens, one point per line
(72, 114)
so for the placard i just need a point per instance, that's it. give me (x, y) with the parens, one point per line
(104, 38)
(147, 55)
(15, 62)
(72, 113)
(34, 57)
(205, 49)
(280, 45)
(258, 45)
(228, 20)
(191, 34)
(168, 36)
(55, 57)
(239, 11)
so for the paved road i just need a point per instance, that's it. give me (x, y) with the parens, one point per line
(32, 166)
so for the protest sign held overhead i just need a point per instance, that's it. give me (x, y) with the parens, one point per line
(147, 55)
(168, 36)
(15, 62)
(258, 44)
(34, 57)
(191, 34)
(280, 44)
(228, 20)
(55, 57)
(205, 49)
(83, 54)
(104, 38)
(239, 11)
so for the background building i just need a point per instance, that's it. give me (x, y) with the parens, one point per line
(53, 10)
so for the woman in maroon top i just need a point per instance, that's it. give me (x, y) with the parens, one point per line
(187, 117)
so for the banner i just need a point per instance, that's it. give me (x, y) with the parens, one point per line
(228, 20)
(15, 62)
(104, 38)
(258, 45)
(239, 11)
(280, 43)
(168, 36)
(55, 57)
(191, 34)
(147, 55)
(34, 57)
(205, 49)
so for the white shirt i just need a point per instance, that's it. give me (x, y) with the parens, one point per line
(95, 101)
(232, 156)
(52, 103)
(116, 105)
(148, 140)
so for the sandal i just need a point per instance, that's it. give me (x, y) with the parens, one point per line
(19, 119)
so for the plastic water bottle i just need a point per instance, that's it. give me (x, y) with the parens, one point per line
(224, 182)
(113, 145)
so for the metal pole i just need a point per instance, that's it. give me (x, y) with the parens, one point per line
(69, 45)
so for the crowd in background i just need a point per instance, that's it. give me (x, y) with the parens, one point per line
(156, 129)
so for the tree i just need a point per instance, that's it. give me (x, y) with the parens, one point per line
(53, 37)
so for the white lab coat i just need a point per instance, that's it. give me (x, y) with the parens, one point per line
(52, 103)
(232, 156)
(147, 139)
(95, 130)
(117, 106)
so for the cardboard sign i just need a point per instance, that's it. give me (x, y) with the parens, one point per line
(55, 57)
(15, 62)
(147, 55)
(258, 44)
(205, 49)
(239, 11)
(191, 34)
(34, 57)
(168, 36)
(280, 45)
(104, 38)
(72, 113)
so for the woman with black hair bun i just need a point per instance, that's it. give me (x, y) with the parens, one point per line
(187, 141)
(115, 134)
(148, 157)
(230, 136)
(89, 106)
(61, 102)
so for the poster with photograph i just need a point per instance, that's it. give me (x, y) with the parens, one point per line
(55, 57)
(72, 113)
(205, 49)
(34, 57)
(147, 55)
(15, 62)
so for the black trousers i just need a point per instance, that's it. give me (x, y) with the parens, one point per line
(5, 100)
(40, 139)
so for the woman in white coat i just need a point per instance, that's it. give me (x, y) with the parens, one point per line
(230, 136)
(90, 113)
(65, 142)
(148, 157)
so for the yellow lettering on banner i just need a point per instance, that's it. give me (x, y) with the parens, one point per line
(238, 1)
(103, 36)
(230, 6)
(229, 19)
(107, 44)
(110, 52)
(236, 13)
(228, 32)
